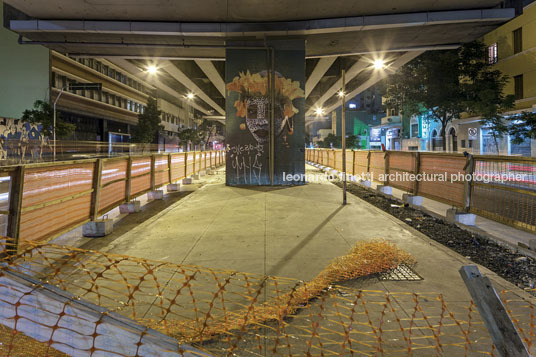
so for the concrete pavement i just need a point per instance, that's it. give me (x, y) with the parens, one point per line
(285, 231)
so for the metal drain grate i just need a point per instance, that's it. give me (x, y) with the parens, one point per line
(401, 273)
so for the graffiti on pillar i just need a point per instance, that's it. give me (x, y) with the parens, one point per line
(249, 105)
(20, 141)
(246, 162)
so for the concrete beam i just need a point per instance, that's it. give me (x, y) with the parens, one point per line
(133, 69)
(179, 75)
(378, 76)
(357, 68)
(320, 69)
(212, 73)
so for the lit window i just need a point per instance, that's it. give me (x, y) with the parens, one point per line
(493, 54)
(352, 106)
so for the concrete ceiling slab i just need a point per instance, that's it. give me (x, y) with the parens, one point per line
(233, 10)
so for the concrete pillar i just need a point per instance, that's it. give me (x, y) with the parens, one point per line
(195, 177)
(130, 207)
(187, 181)
(98, 228)
(270, 150)
(412, 199)
(155, 195)
(454, 216)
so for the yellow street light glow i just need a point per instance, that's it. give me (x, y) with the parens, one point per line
(152, 69)
(341, 94)
(319, 111)
(190, 96)
(378, 64)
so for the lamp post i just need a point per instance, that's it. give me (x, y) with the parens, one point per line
(72, 86)
(343, 129)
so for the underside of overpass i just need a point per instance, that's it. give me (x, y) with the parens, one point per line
(187, 39)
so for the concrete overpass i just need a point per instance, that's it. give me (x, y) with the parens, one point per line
(187, 39)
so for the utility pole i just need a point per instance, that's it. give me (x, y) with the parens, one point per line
(72, 86)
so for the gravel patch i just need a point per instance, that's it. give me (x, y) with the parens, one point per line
(514, 267)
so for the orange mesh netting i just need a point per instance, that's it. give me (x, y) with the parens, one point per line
(226, 312)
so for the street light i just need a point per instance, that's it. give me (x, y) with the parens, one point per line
(72, 86)
(343, 131)
(152, 69)
(319, 111)
(341, 93)
(378, 64)
(190, 96)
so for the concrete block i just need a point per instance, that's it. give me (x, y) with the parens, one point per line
(131, 207)
(387, 190)
(99, 228)
(186, 181)
(210, 172)
(155, 195)
(174, 187)
(195, 177)
(366, 183)
(532, 244)
(203, 173)
(412, 200)
(454, 216)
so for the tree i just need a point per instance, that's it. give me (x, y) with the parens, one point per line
(201, 135)
(523, 127)
(448, 83)
(148, 123)
(43, 114)
(331, 141)
(352, 142)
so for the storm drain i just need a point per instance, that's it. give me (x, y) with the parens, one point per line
(400, 273)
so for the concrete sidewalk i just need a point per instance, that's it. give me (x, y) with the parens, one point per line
(287, 231)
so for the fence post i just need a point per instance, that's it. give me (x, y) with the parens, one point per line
(501, 328)
(128, 179)
(186, 164)
(15, 208)
(153, 161)
(469, 169)
(368, 166)
(386, 168)
(417, 168)
(193, 167)
(169, 162)
(97, 178)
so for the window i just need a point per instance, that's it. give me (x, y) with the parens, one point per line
(493, 54)
(463, 143)
(415, 130)
(518, 40)
(518, 87)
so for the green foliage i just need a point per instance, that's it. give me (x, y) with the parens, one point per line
(43, 114)
(523, 127)
(331, 141)
(198, 136)
(448, 83)
(352, 142)
(148, 123)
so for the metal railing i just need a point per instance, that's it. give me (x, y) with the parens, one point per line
(502, 188)
(41, 201)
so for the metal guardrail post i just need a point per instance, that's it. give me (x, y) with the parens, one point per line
(501, 328)
(97, 177)
(469, 170)
(15, 208)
